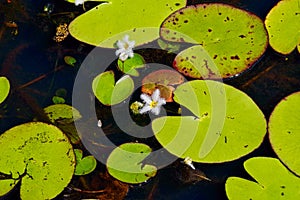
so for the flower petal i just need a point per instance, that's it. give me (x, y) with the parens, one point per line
(126, 38)
(146, 98)
(161, 101)
(123, 56)
(145, 109)
(156, 95)
(156, 110)
(119, 51)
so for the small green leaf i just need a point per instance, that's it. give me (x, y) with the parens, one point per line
(62, 112)
(283, 25)
(138, 19)
(84, 165)
(125, 163)
(226, 125)
(40, 156)
(273, 181)
(129, 66)
(284, 131)
(70, 60)
(235, 39)
(58, 100)
(110, 93)
(4, 88)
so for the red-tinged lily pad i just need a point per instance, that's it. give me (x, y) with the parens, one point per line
(233, 38)
(164, 80)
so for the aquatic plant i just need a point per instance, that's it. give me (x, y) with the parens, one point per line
(284, 131)
(117, 16)
(84, 165)
(39, 156)
(282, 23)
(272, 181)
(4, 88)
(233, 38)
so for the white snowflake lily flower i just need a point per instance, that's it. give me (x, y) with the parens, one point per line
(79, 2)
(125, 48)
(152, 103)
(188, 161)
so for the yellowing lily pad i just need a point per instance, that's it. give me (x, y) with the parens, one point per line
(284, 131)
(232, 37)
(110, 21)
(226, 125)
(40, 156)
(110, 93)
(125, 163)
(273, 181)
(4, 88)
(283, 26)
(62, 112)
(165, 80)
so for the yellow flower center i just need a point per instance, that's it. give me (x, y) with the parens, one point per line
(153, 104)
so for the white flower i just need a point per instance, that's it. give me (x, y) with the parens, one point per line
(79, 2)
(153, 103)
(125, 48)
(188, 161)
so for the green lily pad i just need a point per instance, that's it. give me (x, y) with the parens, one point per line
(109, 22)
(110, 93)
(4, 88)
(63, 116)
(226, 125)
(40, 156)
(284, 131)
(58, 100)
(125, 163)
(84, 165)
(129, 66)
(283, 25)
(274, 181)
(232, 37)
(195, 62)
(165, 80)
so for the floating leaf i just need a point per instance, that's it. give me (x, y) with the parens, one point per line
(195, 62)
(70, 60)
(129, 66)
(283, 25)
(233, 38)
(63, 116)
(84, 165)
(164, 80)
(284, 131)
(125, 163)
(109, 22)
(4, 88)
(227, 123)
(110, 93)
(58, 100)
(168, 46)
(274, 181)
(40, 156)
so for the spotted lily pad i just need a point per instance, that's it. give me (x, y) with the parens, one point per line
(4, 88)
(283, 26)
(273, 181)
(125, 163)
(110, 93)
(63, 116)
(38, 155)
(284, 131)
(129, 66)
(226, 125)
(84, 165)
(164, 80)
(110, 21)
(232, 37)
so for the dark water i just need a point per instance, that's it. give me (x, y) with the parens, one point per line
(32, 53)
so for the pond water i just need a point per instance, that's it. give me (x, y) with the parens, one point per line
(34, 63)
